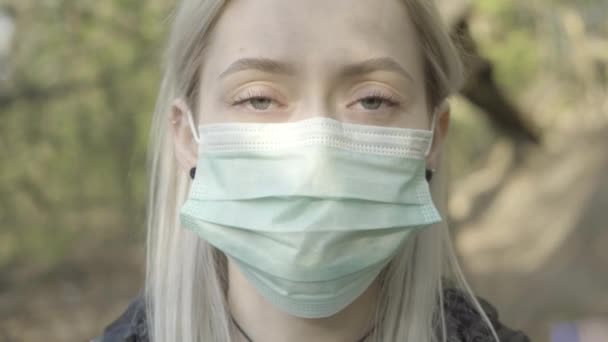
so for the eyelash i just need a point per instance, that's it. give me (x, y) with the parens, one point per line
(390, 101)
(251, 95)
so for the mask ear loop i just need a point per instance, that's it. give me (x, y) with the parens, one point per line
(444, 106)
(428, 172)
(192, 127)
(438, 110)
(195, 136)
(433, 121)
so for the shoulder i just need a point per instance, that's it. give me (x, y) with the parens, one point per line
(131, 326)
(464, 323)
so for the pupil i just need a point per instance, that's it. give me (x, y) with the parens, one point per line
(372, 103)
(260, 103)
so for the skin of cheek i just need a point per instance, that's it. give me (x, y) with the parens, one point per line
(209, 108)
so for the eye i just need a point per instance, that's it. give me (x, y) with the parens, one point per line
(257, 100)
(375, 100)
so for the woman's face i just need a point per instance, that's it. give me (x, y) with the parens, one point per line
(277, 61)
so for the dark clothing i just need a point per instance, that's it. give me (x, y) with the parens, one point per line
(463, 323)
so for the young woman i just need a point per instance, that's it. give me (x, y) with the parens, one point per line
(296, 191)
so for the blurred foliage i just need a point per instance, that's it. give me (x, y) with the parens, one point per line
(82, 80)
(551, 57)
(510, 41)
(74, 114)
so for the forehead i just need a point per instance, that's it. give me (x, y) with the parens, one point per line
(315, 33)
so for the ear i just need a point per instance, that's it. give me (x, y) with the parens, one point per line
(184, 144)
(442, 124)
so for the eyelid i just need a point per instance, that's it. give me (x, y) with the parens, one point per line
(390, 96)
(253, 91)
(242, 100)
(375, 87)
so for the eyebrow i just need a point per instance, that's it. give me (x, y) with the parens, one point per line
(375, 64)
(351, 70)
(261, 64)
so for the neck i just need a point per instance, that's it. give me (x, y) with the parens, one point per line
(262, 322)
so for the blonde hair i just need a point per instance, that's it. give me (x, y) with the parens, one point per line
(186, 277)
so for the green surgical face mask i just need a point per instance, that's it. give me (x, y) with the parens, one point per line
(310, 211)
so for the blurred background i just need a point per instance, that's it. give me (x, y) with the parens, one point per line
(528, 161)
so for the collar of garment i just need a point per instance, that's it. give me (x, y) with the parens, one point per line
(463, 322)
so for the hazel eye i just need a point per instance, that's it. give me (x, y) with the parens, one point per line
(260, 103)
(376, 100)
(372, 102)
(257, 100)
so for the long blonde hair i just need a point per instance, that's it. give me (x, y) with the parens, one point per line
(186, 277)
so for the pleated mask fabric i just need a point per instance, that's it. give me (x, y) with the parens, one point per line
(310, 211)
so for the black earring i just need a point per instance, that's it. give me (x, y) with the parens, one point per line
(429, 175)
(192, 172)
